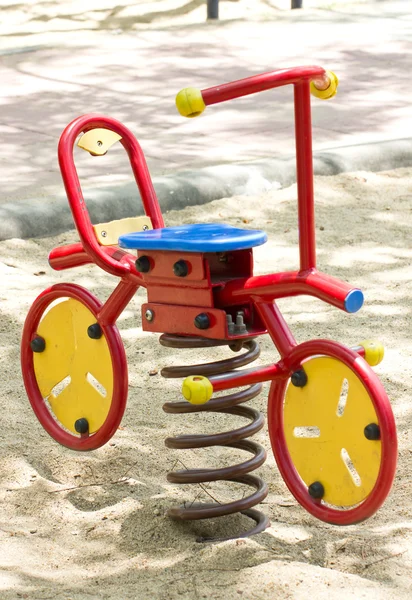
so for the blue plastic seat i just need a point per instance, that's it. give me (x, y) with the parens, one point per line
(204, 237)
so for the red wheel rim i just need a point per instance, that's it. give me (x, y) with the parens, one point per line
(387, 426)
(118, 359)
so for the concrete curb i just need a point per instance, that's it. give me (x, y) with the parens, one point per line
(41, 217)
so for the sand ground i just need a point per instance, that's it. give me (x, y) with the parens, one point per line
(93, 525)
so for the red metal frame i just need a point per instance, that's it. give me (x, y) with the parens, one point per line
(261, 289)
(255, 293)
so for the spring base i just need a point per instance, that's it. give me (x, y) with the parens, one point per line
(231, 404)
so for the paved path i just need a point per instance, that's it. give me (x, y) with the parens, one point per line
(132, 71)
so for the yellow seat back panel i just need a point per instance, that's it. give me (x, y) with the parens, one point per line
(108, 233)
(98, 141)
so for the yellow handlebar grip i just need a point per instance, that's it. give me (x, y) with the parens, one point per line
(197, 389)
(189, 102)
(330, 91)
(374, 352)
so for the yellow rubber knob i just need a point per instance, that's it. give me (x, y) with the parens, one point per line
(330, 91)
(197, 389)
(189, 102)
(374, 352)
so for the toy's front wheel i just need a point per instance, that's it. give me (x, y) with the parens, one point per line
(333, 433)
(74, 368)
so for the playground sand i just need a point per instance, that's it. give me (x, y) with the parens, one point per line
(93, 525)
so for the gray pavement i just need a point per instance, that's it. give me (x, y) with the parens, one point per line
(132, 70)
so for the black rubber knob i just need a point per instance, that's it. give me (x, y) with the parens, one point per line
(143, 264)
(38, 344)
(202, 321)
(372, 432)
(181, 268)
(82, 426)
(316, 490)
(299, 378)
(94, 331)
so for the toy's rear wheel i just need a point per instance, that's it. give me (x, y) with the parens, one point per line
(333, 433)
(74, 368)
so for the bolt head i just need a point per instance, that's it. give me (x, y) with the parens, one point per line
(143, 264)
(82, 426)
(38, 344)
(181, 268)
(94, 331)
(372, 432)
(316, 490)
(149, 315)
(299, 378)
(202, 321)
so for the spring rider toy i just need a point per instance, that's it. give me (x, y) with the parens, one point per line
(330, 422)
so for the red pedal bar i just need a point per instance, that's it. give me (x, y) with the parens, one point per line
(260, 375)
(246, 377)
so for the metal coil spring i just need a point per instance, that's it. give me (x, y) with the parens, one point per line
(231, 405)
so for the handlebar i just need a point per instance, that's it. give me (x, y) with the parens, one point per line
(306, 80)
(191, 102)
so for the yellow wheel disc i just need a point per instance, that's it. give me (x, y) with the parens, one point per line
(324, 425)
(74, 372)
